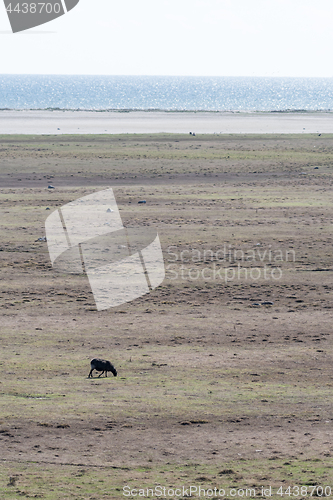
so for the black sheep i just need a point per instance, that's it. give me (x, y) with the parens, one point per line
(101, 365)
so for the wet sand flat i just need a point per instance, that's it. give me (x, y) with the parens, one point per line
(140, 122)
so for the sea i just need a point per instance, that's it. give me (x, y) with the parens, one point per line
(167, 93)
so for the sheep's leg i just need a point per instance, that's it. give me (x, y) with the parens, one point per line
(106, 373)
(90, 373)
(101, 374)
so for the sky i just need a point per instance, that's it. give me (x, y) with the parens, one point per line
(176, 37)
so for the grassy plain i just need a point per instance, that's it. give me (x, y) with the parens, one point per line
(225, 380)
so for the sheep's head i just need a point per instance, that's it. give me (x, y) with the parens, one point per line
(111, 368)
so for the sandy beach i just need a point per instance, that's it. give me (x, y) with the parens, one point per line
(141, 122)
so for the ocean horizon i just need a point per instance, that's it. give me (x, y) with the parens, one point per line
(165, 93)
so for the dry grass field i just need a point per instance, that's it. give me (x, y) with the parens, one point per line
(225, 371)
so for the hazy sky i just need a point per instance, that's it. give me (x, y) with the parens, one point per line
(177, 37)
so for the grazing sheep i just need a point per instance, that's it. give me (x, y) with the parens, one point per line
(101, 365)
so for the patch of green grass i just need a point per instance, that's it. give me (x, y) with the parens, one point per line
(54, 481)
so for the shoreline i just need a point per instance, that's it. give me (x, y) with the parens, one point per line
(51, 122)
(161, 110)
